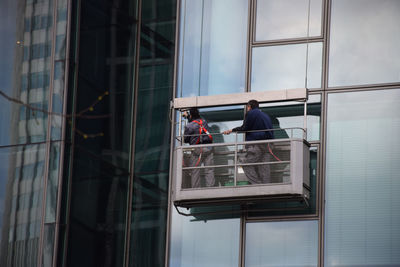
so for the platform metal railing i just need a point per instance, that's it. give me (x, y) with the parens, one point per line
(218, 169)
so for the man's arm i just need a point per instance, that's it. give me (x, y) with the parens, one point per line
(244, 127)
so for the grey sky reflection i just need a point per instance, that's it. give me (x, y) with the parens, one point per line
(365, 41)
(213, 52)
(284, 67)
(363, 195)
(199, 243)
(282, 244)
(7, 48)
(278, 19)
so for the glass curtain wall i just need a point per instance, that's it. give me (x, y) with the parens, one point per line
(291, 243)
(283, 50)
(33, 35)
(152, 134)
(363, 179)
(212, 45)
(362, 174)
(101, 129)
(286, 45)
(364, 51)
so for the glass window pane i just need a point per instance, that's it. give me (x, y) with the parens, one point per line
(284, 19)
(52, 182)
(8, 45)
(21, 194)
(48, 244)
(213, 47)
(199, 243)
(24, 63)
(102, 144)
(362, 179)
(282, 244)
(152, 135)
(286, 67)
(365, 41)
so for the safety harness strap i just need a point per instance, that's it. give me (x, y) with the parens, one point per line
(202, 129)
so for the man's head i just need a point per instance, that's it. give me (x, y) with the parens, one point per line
(252, 104)
(191, 114)
(194, 113)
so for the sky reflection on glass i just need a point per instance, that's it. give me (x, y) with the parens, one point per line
(213, 47)
(365, 41)
(282, 244)
(363, 195)
(284, 67)
(200, 243)
(284, 19)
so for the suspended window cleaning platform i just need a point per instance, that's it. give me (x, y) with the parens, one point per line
(242, 172)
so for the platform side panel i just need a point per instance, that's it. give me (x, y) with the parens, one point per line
(236, 192)
(297, 165)
(306, 163)
(177, 174)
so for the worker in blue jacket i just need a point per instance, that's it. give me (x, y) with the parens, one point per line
(256, 120)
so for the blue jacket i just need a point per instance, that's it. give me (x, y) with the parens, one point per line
(256, 120)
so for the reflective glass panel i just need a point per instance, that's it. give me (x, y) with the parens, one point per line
(364, 51)
(21, 194)
(4, 184)
(363, 179)
(284, 19)
(8, 47)
(25, 47)
(152, 140)
(48, 244)
(286, 67)
(199, 243)
(282, 244)
(213, 47)
(52, 182)
(103, 100)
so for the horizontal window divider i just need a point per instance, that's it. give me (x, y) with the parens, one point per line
(352, 88)
(288, 41)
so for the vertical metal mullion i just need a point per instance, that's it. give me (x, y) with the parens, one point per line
(133, 135)
(48, 132)
(321, 188)
(172, 137)
(250, 40)
(326, 38)
(201, 46)
(63, 133)
(77, 9)
(242, 241)
(322, 156)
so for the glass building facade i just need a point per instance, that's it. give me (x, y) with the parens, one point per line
(88, 133)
